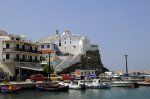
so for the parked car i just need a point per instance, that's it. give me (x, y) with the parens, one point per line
(55, 77)
(38, 77)
(67, 77)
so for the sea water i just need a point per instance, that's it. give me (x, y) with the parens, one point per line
(113, 93)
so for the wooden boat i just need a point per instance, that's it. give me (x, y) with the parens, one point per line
(10, 88)
(52, 87)
(97, 84)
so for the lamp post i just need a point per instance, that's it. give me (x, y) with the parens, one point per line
(126, 65)
(49, 66)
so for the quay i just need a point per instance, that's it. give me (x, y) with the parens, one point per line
(23, 85)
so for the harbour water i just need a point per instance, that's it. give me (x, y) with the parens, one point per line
(113, 93)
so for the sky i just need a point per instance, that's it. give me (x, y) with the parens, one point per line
(118, 27)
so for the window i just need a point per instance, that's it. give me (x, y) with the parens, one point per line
(30, 48)
(23, 56)
(7, 56)
(36, 49)
(70, 42)
(7, 45)
(82, 73)
(30, 58)
(92, 72)
(17, 39)
(35, 58)
(60, 44)
(42, 46)
(17, 56)
(48, 46)
(23, 47)
(17, 46)
(65, 42)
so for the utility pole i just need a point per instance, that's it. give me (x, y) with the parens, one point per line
(126, 65)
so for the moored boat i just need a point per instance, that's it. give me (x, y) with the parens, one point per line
(97, 84)
(10, 88)
(124, 84)
(75, 85)
(144, 83)
(52, 87)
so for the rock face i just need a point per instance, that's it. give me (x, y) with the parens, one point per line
(91, 61)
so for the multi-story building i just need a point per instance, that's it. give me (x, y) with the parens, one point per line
(67, 49)
(18, 54)
(48, 52)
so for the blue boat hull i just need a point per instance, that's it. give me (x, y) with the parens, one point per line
(7, 90)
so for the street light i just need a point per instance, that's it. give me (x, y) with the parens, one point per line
(126, 65)
(47, 52)
(49, 66)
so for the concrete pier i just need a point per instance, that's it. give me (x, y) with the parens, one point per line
(23, 85)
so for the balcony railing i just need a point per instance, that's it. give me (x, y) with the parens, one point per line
(20, 60)
(8, 60)
(21, 49)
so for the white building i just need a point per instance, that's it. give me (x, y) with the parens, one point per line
(68, 48)
(17, 53)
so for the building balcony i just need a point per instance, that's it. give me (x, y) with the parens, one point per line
(12, 60)
(12, 49)
(35, 51)
(9, 60)
(21, 49)
(20, 60)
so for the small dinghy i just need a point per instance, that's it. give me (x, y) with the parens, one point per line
(10, 88)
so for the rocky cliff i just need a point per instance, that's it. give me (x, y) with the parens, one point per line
(91, 60)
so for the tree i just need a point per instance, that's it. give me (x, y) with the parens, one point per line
(48, 69)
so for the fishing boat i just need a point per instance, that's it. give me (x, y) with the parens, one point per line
(97, 84)
(10, 88)
(52, 87)
(75, 84)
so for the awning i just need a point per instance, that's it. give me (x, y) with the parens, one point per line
(30, 66)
